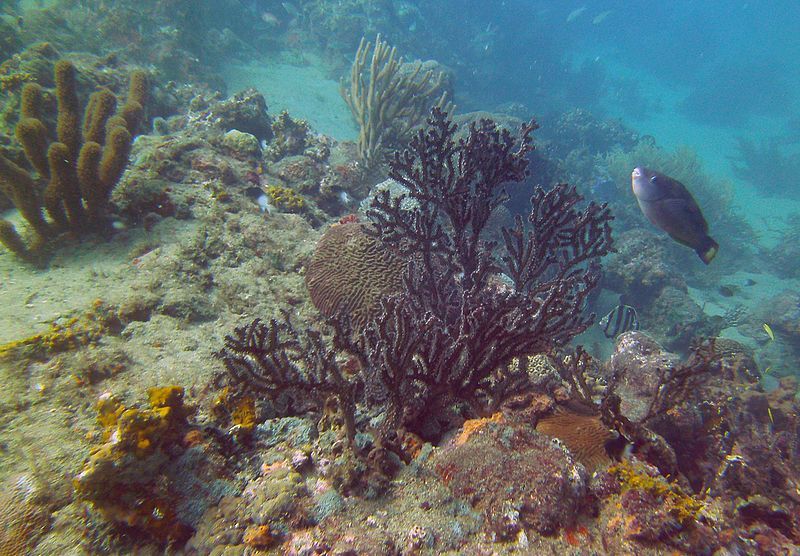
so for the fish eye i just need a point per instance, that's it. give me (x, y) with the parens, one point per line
(653, 179)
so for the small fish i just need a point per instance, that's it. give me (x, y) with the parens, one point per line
(621, 318)
(767, 370)
(668, 205)
(769, 332)
(599, 18)
(728, 290)
(575, 14)
(769, 412)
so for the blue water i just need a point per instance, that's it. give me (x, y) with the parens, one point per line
(700, 74)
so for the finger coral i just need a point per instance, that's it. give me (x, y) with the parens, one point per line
(76, 168)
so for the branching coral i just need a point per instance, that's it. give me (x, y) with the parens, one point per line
(450, 335)
(81, 167)
(296, 371)
(386, 101)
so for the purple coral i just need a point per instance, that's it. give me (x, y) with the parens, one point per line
(452, 334)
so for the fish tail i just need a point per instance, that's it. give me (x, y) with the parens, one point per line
(708, 250)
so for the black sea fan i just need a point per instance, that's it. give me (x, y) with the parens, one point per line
(454, 331)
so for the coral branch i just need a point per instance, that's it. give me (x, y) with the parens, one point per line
(454, 327)
(292, 369)
(387, 102)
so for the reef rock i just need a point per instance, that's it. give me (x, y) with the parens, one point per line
(634, 362)
(520, 479)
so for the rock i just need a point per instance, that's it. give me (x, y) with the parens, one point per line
(635, 362)
(241, 143)
(519, 478)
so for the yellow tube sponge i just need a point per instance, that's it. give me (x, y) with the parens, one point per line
(132, 113)
(10, 238)
(18, 185)
(91, 189)
(31, 101)
(137, 90)
(68, 121)
(64, 183)
(115, 156)
(100, 108)
(32, 135)
(76, 172)
(133, 110)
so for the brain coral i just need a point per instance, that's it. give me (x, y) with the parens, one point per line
(350, 272)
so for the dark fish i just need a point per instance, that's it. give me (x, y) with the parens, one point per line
(728, 290)
(669, 205)
(621, 318)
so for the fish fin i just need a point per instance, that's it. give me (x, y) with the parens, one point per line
(708, 251)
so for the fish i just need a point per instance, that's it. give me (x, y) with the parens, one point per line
(575, 14)
(668, 205)
(621, 318)
(728, 290)
(768, 330)
(599, 18)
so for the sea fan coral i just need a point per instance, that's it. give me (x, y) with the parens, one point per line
(454, 331)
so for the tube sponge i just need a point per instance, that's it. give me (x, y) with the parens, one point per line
(91, 188)
(81, 167)
(31, 101)
(64, 182)
(32, 135)
(100, 108)
(137, 90)
(115, 157)
(18, 185)
(10, 238)
(68, 122)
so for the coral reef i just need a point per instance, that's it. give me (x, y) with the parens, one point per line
(450, 335)
(82, 166)
(119, 478)
(451, 331)
(25, 515)
(388, 101)
(284, 198)
(148, 473)
(298, 373)
(768, 166)
(65, 334)
(290, 137)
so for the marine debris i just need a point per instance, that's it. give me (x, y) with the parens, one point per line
(80, 168)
